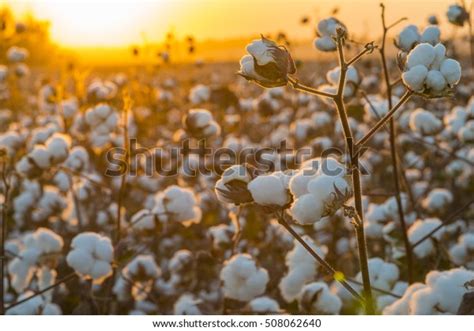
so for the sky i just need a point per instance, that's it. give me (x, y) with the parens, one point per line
(127, 22)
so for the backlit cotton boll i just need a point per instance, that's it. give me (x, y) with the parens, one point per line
(199, 94)
(457, 15)
(242, 279)
(316, 298)
(327, 31)
(199, 123)
(424, 122)
(177, 204)
(437, 201)
(232, 186)
(268, 63)
(91, 256)
(264, 305)
(187, 304)
(418, 230)
(466, 134)
(351, 83)
(17, 54)
(270, 190)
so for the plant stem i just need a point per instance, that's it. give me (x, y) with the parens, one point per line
(393, 153)
(356, 186)
(298, 86)
(3, 237)
(317, 257)
(450, 219)
(384, 119)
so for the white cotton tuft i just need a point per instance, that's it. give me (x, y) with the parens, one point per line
(423, 54)
(451, 70)
(424, 122)
(270, 189)
(431, 35)
(415, 77)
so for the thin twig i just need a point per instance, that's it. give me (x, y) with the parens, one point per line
(295, 84)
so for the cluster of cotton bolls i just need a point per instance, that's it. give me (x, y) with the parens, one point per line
(319, 189)
(102, 121)
(302, 269)
(176, 204)
(428, 71)
(41, 248)
(440, 294)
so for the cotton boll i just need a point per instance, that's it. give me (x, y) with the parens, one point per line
(199, 94)
(466, 134)
(451, 70)
(41, 157)
(423, 54)
(437, 200)
(264, 305)
(316, 298)
(307, 209)
(375, 221)
(431, 35)
(401, 306)
(462, 253)
(187, 304)
(242, 279)
(91, 256)
(58, 147)
(325, 44)
(424, 122)
(29, 307)
(269, 190)
(418, 230)
(178, 205)
(408, 38)
(415, 77)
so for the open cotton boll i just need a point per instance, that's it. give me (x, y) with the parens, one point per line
(466, 134)
(142, 267)
(451, 70)
(351, 75)
(91, 256)
(143, 220)
(58, 146)
(307, 209)
(401, 306)
(316, 298)
(383, 274)
(199, 94)
(424, 122)
(29, 307)
(437, 200)
(385, 300)
(423, 54)
(408, 38)
(187, 304)
(418, 230)
(375, 221)
(259, 50)
(462, 253)
(177, 204)
(431, 35)
(233, 177)
(415, 77)
(242, 279)
(270, 190)
(264, 305)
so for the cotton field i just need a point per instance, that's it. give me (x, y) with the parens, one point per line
(265, 186)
